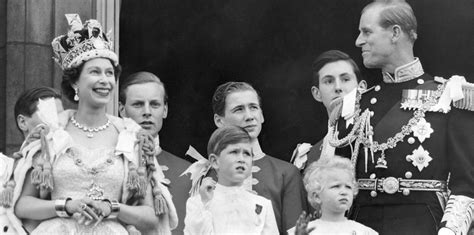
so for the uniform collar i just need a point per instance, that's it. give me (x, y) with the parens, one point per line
(405, 72)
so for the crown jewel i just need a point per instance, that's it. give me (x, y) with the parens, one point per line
(82, 43)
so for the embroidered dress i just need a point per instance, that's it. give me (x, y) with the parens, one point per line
(96, 173)
(82, 172)
(347, 227)
(232, 210)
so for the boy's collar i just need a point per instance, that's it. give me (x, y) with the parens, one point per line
(258, 156)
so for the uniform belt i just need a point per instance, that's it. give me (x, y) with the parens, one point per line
(391, 185)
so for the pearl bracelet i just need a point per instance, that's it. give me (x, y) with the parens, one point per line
(114, 208)
(60, 207)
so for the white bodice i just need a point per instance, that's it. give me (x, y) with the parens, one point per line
(81, 172)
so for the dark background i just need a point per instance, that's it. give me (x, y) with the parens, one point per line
(196, 45)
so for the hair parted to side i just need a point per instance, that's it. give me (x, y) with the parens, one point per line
(396, 12)
(225, 136)
(315, 176)
(222, 91)
(330, 57)
(139, 78)
(26, 104)
(71, 76)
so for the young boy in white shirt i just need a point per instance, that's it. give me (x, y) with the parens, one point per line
(226, 207)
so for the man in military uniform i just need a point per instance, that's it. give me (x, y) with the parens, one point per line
(143, 98)
(407, 141)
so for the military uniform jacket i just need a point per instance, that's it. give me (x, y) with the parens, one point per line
(179, 187)
(281, 183)
(448, 149)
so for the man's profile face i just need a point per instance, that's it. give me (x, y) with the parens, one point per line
(145, 104)
(336, 79)
(374, 41)
(242, 108)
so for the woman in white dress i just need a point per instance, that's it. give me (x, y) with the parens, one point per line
(91, 172)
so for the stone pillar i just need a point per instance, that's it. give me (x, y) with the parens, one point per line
(3, 55)
(25, 52)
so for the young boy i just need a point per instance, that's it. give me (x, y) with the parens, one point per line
(226, 207)
(238, 104)
(331, 187)
(335, 74)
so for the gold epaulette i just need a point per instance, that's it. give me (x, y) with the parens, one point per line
(468, 102)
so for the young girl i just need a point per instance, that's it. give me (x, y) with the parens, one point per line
(226, 207)
(331, 187)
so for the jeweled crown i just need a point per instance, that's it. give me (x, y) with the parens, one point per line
(82, 43)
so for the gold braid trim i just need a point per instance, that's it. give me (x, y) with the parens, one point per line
(468, 102)
(458, 214)
(146, 172)
(362, 131)
(41, 175)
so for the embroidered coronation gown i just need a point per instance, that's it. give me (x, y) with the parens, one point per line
(81, 172)
(98, 173)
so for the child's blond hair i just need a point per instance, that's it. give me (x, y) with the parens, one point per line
(315, 175)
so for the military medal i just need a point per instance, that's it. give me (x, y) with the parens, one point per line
(258, 209)
(413, 99)
(422, 130)
(420, 158)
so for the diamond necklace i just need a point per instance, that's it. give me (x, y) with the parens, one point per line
(90, 131)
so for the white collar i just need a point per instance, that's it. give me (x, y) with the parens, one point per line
(258, 156)
(229, 189)
(156, 140)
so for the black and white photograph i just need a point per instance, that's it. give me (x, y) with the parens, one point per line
(193, 117)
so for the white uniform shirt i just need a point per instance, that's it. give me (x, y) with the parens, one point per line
(232, 210)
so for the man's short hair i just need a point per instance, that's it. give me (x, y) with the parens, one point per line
(395, 12)
(330, 57)
(225, 136)
(26, 104)
(139, 78)
(222, 91)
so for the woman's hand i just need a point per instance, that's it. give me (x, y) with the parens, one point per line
(132, 230)
(207, 189)
(102, 209)
(83, 210)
